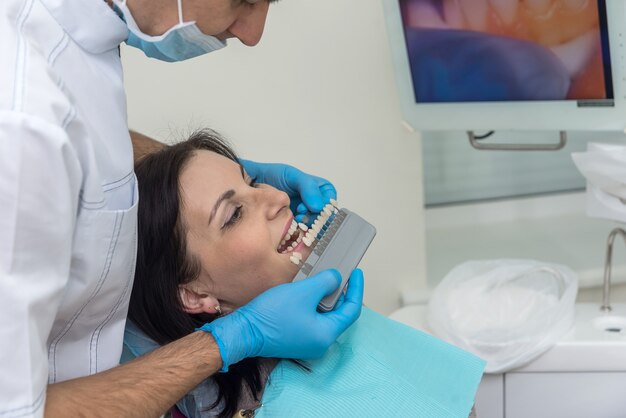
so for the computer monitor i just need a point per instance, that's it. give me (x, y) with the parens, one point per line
(510, 64)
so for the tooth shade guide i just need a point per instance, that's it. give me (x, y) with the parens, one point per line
(341, 246)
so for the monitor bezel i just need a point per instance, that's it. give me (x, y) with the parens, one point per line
(562, 115)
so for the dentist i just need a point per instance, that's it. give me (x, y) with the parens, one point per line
(68, 214)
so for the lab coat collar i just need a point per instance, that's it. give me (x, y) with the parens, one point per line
(92, 24)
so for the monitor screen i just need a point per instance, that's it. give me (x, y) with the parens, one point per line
(507, 50)
(504, 56)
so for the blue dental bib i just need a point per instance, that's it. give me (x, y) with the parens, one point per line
(377, 368)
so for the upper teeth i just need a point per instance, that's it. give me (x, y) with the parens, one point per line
(310, 233)
(292, 228)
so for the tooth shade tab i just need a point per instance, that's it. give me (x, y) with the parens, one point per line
(309, 234)
(295, 260)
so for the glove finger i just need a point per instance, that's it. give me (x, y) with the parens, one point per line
(303, 218)
(340, 300)
(356, 285)
(350, 309)
(313, 198)
(320, 285)
(314, 191)
(311, 195)
(301, 209)
(328, 190)
(294, 205)
(252, 169)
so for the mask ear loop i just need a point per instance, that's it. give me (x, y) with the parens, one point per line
(180, 11)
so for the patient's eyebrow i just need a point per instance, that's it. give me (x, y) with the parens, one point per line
(226, 195)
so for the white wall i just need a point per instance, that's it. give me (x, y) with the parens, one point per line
(317, 92)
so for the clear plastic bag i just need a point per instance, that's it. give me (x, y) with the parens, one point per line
(507, 312)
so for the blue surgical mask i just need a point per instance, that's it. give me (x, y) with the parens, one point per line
(183, 41)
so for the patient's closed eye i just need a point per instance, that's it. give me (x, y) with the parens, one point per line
(235, 217)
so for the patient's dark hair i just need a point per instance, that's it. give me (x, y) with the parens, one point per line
(163, 262)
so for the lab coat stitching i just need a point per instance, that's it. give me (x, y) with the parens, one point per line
(122, 182)
(20, 59)
(97, 332)
(29, 409)
(69, 117)
(103, 275)
(58, 48)
(91, 205)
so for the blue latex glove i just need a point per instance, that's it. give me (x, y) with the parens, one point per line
(283, 322)
(308, 193)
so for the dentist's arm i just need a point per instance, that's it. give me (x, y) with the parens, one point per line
(145, 387)
(143, 145)
(282, 322)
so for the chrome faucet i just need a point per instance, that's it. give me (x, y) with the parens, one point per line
(606, 291)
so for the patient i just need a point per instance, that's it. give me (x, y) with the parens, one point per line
(209, 242)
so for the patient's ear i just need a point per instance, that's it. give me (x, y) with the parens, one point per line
(195, 302)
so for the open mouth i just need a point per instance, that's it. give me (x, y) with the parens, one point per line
(299, 237)
(292, 237)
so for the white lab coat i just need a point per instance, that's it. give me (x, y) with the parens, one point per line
(67, 197)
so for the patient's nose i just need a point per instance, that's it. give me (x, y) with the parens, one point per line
(274, 201)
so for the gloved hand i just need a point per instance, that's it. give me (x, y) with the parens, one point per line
(283, 322)
(308, 193)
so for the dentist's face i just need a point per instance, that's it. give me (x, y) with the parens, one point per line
(241, 19)
(224, 19)
(234, 229)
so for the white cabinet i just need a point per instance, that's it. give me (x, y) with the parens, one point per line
(567, 395)
(552, 395)
(581, 376)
